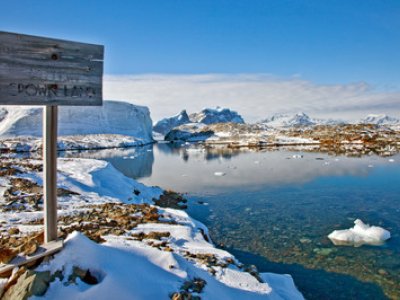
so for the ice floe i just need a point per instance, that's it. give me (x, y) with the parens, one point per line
(360, 234)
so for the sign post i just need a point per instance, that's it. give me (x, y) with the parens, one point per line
(49, 72)
(50, 172)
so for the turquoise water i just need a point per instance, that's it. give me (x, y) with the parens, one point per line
(275, 209)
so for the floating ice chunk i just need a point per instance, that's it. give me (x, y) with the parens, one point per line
(219, 174)
(297, 156)
(359, 235)
(391, 160)
(370, 166)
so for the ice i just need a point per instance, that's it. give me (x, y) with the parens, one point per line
(219, 173)
(113, 117)
(359, 235)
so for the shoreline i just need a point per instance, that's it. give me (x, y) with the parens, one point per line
(159, 230)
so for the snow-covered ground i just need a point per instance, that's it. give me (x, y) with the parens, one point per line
(126, 267)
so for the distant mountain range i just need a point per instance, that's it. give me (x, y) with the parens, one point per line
(224, 115)
(380, 120)
(302, 119)
(299, 119)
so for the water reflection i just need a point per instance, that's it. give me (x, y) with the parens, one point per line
(136, 162)
(189, 168)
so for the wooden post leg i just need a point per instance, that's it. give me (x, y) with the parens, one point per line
(50, 172)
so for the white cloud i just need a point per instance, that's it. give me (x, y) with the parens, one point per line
(254, 96)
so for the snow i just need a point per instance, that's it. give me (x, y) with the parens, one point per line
(359, 235)
(131, 269)
(219, 173)
(74, 142)
(101, 178)
(128, 269)
(112, 118)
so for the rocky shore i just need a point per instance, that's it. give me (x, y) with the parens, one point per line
(349, 139)
(111, 224)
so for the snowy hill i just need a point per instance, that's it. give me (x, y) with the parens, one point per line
(379, 119)
(112, 118)
(216, 115)
(165, 125)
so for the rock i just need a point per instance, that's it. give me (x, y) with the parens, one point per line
(324, 251)
(382, 272)
(305, 241)
(83, 275)
(29, 284)
(13, 230)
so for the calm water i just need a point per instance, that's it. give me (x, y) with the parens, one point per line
(274, 209)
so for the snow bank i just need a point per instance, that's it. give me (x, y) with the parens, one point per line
(128, 269)
(98, 177)
(359, 235)
(112, 118)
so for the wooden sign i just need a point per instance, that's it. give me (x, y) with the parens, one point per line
(49, 72)
(43, 71)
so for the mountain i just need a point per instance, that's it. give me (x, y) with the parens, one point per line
(165, 125)
(206, 116)
(216, 115)
(284, 120)
(113, 117)
(299, 119)
(379, 119)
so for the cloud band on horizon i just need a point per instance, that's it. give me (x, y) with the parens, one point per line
(254, 96)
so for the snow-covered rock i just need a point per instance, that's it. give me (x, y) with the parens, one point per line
(165, 125)
(112, 118)
(216, 115)
(379, 119)
(359, 235)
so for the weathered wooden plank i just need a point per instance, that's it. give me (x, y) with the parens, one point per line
(43, 71)
(44, 250)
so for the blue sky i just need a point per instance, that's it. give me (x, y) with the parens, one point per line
(324, 42)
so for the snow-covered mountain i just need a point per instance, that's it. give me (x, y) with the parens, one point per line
(113, 117)
(379, 119)
(284, 120)
(299, 119)
(165, 125)
(206, 116)
(216, 115)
